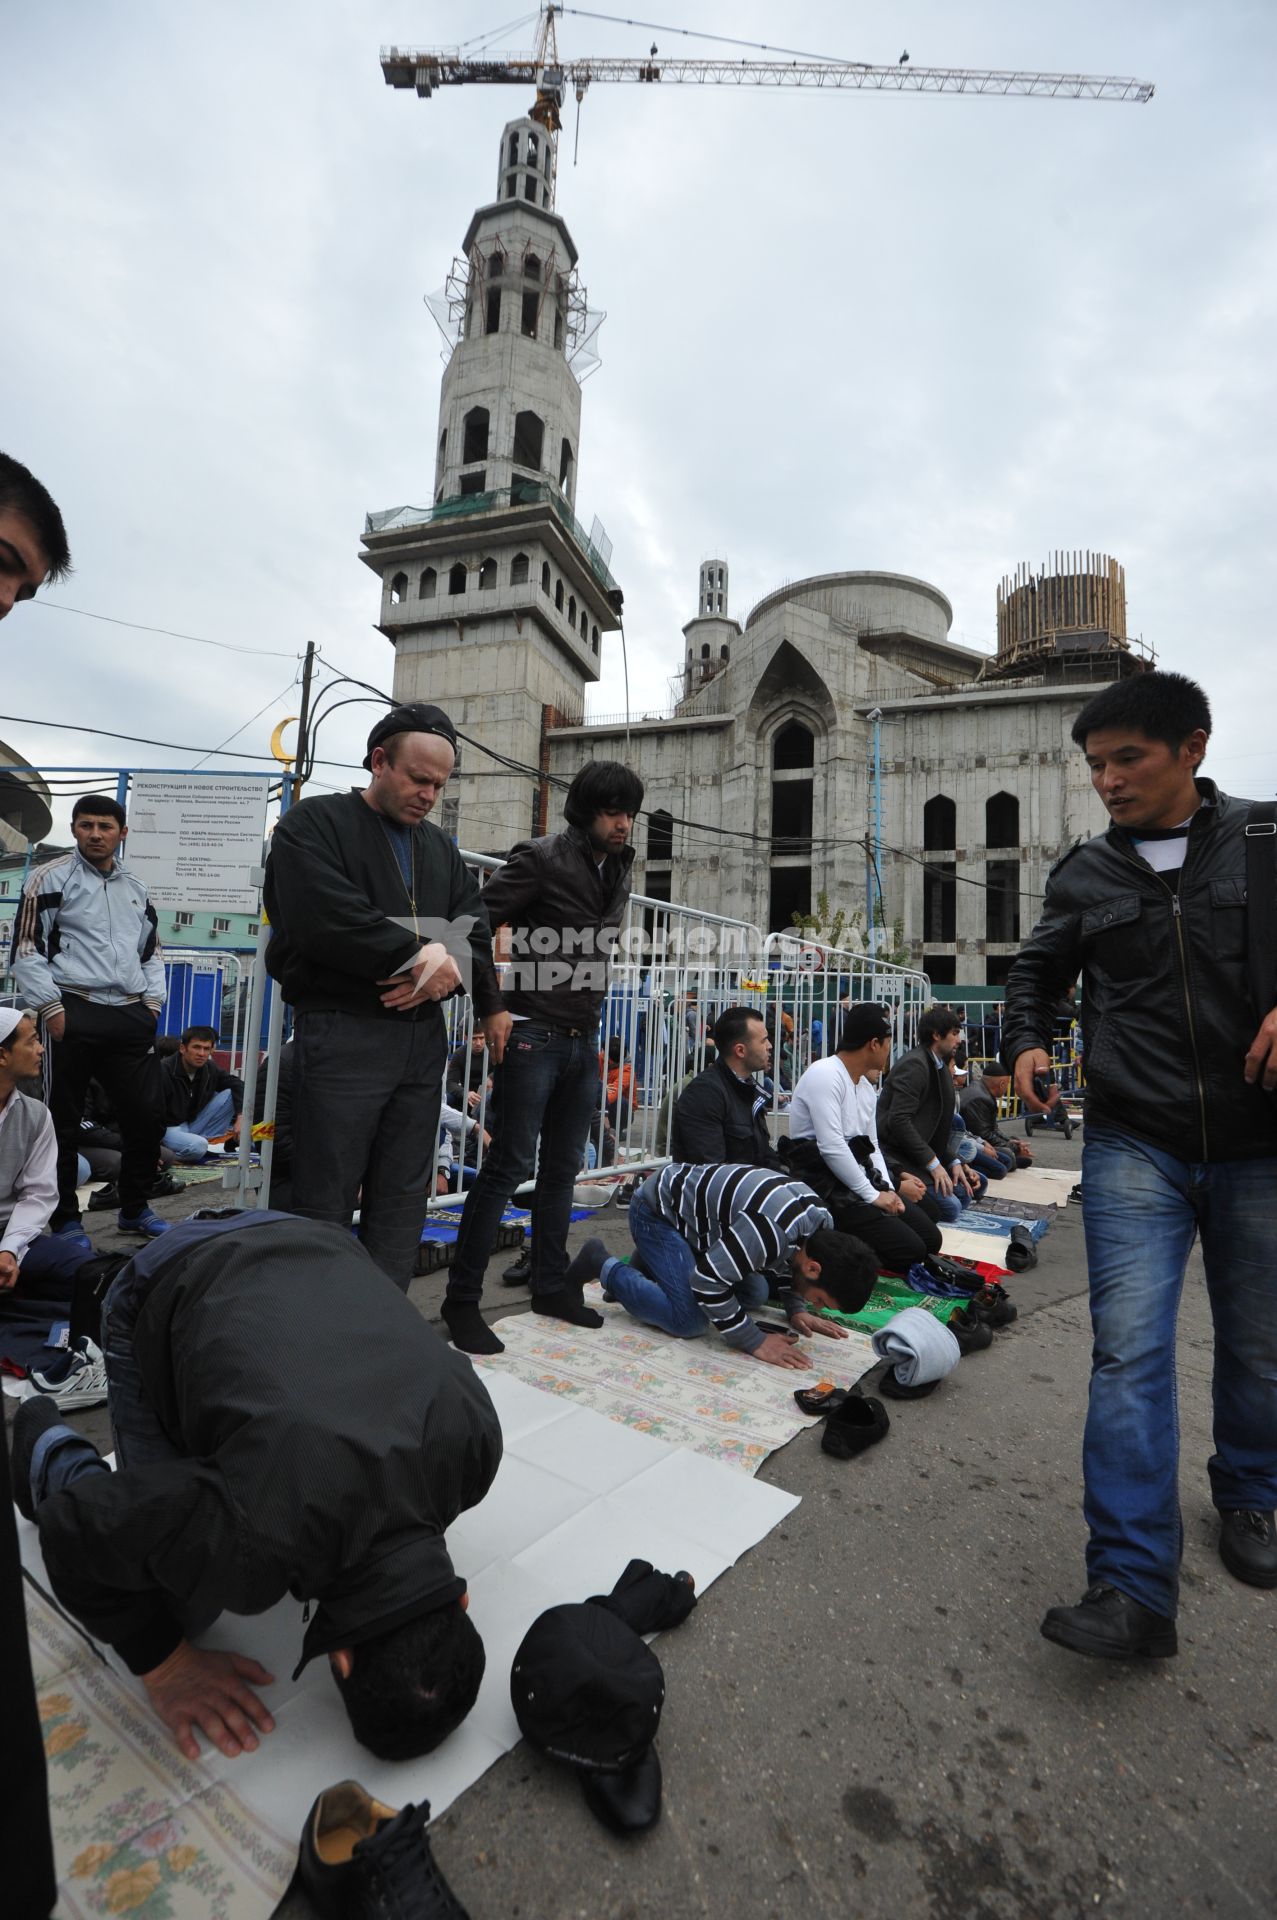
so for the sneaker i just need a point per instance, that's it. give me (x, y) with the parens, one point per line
(147, 1223)
(165, 1185)
(361, 1860)
(71, 1230)
(81, 1384)
(104, 1199)
(1109, 1625)
(519, 1272)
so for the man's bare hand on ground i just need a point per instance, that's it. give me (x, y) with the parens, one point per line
(432, 975)
(198, 1688)
(816, 1323)
(778, 1351)
(1261, 1058)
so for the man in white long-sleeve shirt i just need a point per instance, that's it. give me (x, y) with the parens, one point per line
(833, 1146)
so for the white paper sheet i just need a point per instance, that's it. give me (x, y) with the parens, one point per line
(576, 1497)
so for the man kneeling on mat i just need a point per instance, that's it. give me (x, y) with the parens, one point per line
(284, 1422)
(709, 1241)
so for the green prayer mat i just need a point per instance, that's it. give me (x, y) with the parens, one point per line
(889, 1298)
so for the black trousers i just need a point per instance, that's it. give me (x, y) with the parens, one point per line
(366, 1096)
(112, 1045)
(897, 1239)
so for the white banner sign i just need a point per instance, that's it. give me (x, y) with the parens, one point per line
(194, 839)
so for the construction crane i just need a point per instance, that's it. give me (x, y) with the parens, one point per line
(427, 70)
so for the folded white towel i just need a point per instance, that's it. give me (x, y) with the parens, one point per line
(921, 1346)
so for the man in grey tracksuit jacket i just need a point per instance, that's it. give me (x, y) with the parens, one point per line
(86, 957)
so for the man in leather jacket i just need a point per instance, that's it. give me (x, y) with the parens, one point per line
(1181, 1141)
(721, 1118)
(562, 897)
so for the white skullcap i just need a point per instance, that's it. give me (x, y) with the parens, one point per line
(9, 1019)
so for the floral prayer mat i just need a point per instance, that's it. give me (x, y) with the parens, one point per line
(136, 1828)
(690, 1393)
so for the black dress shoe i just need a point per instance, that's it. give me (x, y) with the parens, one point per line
(361, 1860)
(519, 1272)
(629, 1801)
(1248, 1546)
(1111, 1626)
(972, 1333)
(858, 1423)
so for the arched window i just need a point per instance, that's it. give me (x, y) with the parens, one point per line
(585, 625)
(565, 465)
(724, 653)
(512, 155)
(532, 267)
(793, 747)
(534, 151)
(492, 318)
(530, 188)
(496, 264)
(1002, 820)
(545, 576)
(398, 589)
(529, 440)
(475, 444)
(519, 570)
(558, 595)
(571, 609)
(511, 185)
(660, 835)
(558, 328)
(594, 639)
(427, 584)
(705, 650)
(487, 575)
(443, 445)
(457, 578)
(939, 825)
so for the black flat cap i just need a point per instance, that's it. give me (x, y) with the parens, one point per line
(585, 1689)
(416, 717)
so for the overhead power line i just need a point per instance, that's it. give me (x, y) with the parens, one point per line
(198, 639)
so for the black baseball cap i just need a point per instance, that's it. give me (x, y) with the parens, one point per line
(416, 717)
(585, 1689)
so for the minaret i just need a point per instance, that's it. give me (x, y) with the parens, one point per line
(495, 598)
(710, 635)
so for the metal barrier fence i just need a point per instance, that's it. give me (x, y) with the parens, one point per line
(675, 970)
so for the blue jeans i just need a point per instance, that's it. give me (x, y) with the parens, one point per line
(547, 1086)
(1142, 1209)
(660, 1293)
(215, 1117)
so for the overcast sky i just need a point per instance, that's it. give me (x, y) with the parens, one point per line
(937, 336)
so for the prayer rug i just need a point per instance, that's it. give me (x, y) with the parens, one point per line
(136, 1828)
(890, 1297)
(699, 1394)
(576, 1497)
(1045, 1186)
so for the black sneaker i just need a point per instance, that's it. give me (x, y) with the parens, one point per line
(519, 1272)
(1248, 1546)
(103, 1197)
(1109, 1625)
(360, 1860)
(165, 1185)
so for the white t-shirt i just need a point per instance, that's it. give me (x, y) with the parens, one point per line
(829, 1107)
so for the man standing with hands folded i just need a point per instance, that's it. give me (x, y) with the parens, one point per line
(376, 921)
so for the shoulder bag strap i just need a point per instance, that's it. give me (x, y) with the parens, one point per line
(1261, 904)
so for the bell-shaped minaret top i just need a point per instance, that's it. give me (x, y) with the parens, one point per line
(527, 164)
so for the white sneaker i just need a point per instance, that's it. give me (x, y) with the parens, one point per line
(83, 1386)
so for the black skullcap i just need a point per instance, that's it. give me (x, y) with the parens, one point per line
(416, 717)
(585, 1688)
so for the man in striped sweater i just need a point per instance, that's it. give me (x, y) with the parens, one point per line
(711, 1239)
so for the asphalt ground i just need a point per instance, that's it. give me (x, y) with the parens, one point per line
(861, 1716)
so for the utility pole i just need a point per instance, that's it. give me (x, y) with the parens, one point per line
(303, 723)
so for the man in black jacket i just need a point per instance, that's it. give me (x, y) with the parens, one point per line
(1181, 1140)
(721, 1118)
(284, 1422)
(376, 920)
(201, 1100)
(915, 1114)
(563, 898)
